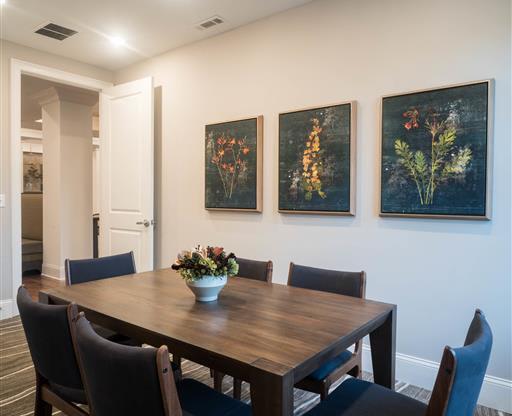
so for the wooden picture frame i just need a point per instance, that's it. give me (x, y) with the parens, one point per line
(347, 141)
(415, 121)
(235, 184)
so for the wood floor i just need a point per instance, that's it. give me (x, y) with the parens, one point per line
(34, 283)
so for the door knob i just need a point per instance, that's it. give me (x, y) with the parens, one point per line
(145, 223)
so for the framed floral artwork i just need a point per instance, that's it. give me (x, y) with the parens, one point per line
(317, 160)
(436, 152)
(233, 165)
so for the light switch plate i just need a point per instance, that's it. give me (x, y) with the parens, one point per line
(2, 200)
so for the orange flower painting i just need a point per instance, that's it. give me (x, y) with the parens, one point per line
(231, 165)
(230, 158)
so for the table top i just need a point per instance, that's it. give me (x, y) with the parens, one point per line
(251, 321)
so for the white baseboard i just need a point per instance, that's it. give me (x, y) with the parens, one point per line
(8, 308)
(496, 392)
(53, 271)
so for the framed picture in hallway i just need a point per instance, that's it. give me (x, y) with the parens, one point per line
(435, 152)
(233, 165)
(317, 148)
(32, 172)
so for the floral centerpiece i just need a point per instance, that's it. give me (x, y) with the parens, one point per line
(205, 270)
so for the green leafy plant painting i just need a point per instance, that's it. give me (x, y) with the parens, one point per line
(434, 152)
(444, 162)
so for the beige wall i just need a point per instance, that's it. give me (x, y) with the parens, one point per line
(437, 271)
(8, 51)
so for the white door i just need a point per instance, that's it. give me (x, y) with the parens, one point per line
(126, 131)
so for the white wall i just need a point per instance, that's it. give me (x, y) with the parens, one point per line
(437, 271)
(9, 50)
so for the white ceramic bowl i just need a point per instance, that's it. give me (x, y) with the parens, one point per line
(207, 288)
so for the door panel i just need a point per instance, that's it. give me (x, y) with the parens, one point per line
(126, 129)
(122, 241)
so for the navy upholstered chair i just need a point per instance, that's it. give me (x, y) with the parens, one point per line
(123, 380)
(254, 270)
(58, 381)
(86, 270)
(456, 390)
(343, 283)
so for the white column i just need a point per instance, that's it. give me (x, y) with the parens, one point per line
(67, 176)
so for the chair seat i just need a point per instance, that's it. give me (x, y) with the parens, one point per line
(330, 366)
(356, 397)
(198, 399)
(69, 394)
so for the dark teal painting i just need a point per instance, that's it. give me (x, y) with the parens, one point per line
(316, 160)
(232, 165)
(434, 152)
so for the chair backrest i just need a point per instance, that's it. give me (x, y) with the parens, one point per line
(80, 271)
(121, 380)
(334, 281)
(462, 371)
(254, 269)
(47, 329)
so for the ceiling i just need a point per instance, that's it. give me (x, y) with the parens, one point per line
(149, 27)
(30, 108)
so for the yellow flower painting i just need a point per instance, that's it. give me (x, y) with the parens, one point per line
(315, 157)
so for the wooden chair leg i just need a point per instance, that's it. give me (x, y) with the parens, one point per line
(217, 380)
(357, 370)
(237, 388)
(178, 375)
(324, 393)
(41, 408)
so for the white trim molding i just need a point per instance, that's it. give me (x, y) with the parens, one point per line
(8, 308)
(496, 392)
(31, 134)
(18, 68)
(53, 271)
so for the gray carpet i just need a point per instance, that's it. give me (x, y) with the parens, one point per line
(17, 378)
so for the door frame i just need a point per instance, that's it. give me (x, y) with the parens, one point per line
(18, 68)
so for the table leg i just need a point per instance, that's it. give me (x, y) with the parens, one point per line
(272, 395)
(383, 347)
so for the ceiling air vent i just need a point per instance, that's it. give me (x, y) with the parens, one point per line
(210, 22)
(54, 31)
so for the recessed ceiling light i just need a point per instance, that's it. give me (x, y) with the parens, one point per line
(39, 120)
(117, 41)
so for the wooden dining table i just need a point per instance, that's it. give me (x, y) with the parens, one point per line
(269, 335)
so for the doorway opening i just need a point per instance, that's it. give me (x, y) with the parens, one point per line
(59, 137)
(19, 69)
(126, 166)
